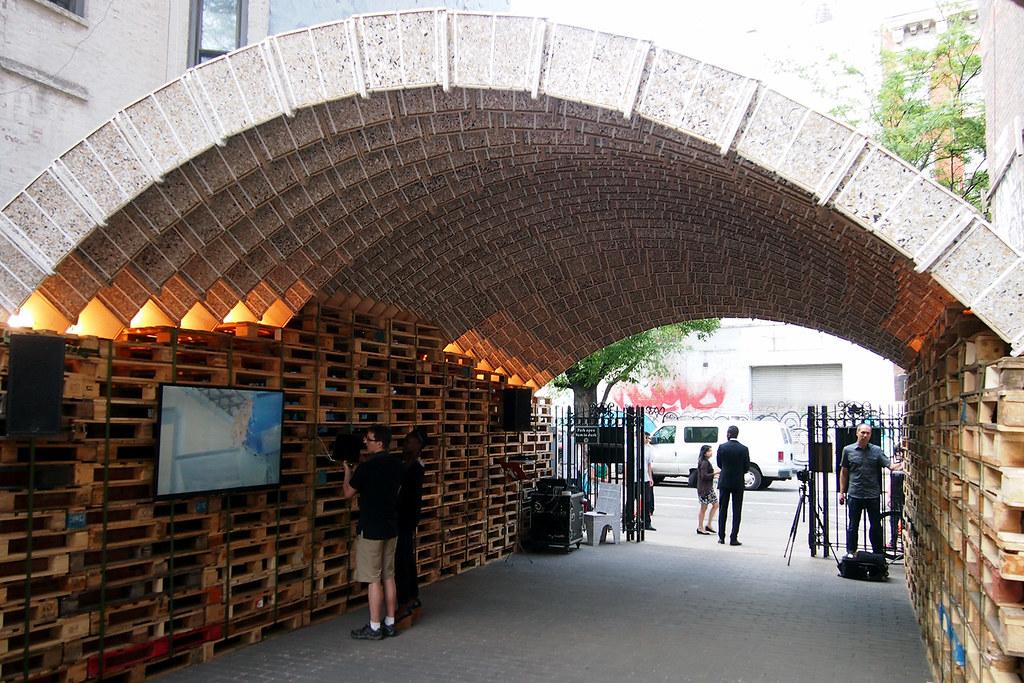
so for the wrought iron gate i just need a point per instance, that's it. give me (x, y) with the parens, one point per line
(604, 443)
(829, 429)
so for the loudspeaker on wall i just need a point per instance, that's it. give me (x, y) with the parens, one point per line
(517, 409)
(35, 385)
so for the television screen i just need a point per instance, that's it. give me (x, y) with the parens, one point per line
(215, 439)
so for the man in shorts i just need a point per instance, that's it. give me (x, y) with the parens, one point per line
(376, 480)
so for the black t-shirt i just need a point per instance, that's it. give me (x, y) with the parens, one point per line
(377, 480)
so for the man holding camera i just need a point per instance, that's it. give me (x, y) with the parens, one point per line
(860, 484)
(377, 481)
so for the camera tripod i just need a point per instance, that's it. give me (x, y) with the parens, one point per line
(513, 470)
(791, 543)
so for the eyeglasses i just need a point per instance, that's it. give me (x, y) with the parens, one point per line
(367, 438)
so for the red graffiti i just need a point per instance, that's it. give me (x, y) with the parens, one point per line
(674, 397)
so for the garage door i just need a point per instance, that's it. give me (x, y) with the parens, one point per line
(794, 387)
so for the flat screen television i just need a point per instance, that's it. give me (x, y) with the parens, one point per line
(217, 439)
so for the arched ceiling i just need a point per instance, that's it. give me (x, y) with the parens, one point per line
(537, 190)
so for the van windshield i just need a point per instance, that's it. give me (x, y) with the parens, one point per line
(702, 434)
(666, 434)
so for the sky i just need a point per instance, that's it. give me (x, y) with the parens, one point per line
(750, 37)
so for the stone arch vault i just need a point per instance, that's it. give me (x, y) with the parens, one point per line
(537, 190)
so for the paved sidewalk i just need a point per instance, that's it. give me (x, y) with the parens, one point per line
(633, 612)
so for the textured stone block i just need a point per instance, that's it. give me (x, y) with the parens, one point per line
(774, 125)
(975, 262)
(1003, 306)
(381, 50)
(296, 61)
(919, 215)
(261, 90)
(35, 228)
(875, 187)
(423, 44)
(183, 116)
(219, 94)
(816, 152)
(145, 123)
(118, 173)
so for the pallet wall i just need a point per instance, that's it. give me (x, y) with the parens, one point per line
(99, 580)
(965, 540)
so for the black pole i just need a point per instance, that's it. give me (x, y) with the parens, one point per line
(824, 482)
(28, 552)
(812, 497)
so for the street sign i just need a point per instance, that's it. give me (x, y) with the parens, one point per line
(586, 433)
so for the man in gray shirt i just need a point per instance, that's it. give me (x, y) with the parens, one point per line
(860, 483)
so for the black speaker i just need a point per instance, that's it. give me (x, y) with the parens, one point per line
(821, 457)
(606, 453)
(556, 519)
(516, 409)
(35, 385)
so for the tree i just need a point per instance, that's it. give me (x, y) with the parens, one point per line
(930, 110)
(629, 359)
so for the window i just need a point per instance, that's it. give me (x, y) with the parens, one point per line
(700, 434)
(73, 6)
(664, 435)
(216, 27)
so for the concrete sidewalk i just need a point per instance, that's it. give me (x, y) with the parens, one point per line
(640, 612)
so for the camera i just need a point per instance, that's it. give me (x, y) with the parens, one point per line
(347, 447)
(804, 475)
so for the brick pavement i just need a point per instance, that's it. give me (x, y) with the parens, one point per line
(632, 612)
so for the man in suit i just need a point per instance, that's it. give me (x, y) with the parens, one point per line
(733, 461)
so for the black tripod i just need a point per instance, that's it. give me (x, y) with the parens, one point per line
(816, 523)
(514, 470)
(791, 543)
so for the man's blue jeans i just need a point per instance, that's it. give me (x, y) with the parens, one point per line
(854, 507)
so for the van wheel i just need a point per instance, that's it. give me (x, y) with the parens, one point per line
(766, 482)
(752, 479)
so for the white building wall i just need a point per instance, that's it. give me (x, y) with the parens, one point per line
(62, 76)
(714, 376)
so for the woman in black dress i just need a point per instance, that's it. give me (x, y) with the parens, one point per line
(706, 490)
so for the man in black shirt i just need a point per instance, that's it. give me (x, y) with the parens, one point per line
(410, 504)
(377, 481)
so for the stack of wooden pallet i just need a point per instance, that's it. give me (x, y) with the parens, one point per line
(99, 579)
(965, 559)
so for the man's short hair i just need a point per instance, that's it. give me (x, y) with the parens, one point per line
(732, 432)
(381, 433)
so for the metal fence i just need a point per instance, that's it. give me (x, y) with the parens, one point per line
(829, 429)
(604, 443)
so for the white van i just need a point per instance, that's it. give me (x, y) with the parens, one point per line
(676, 445)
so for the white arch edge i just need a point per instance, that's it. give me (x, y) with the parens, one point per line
(213, 102)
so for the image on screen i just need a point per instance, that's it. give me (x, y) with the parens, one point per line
(217, 439)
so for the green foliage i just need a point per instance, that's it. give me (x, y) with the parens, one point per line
(930, 110)
(840, 83)
(633, 358)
